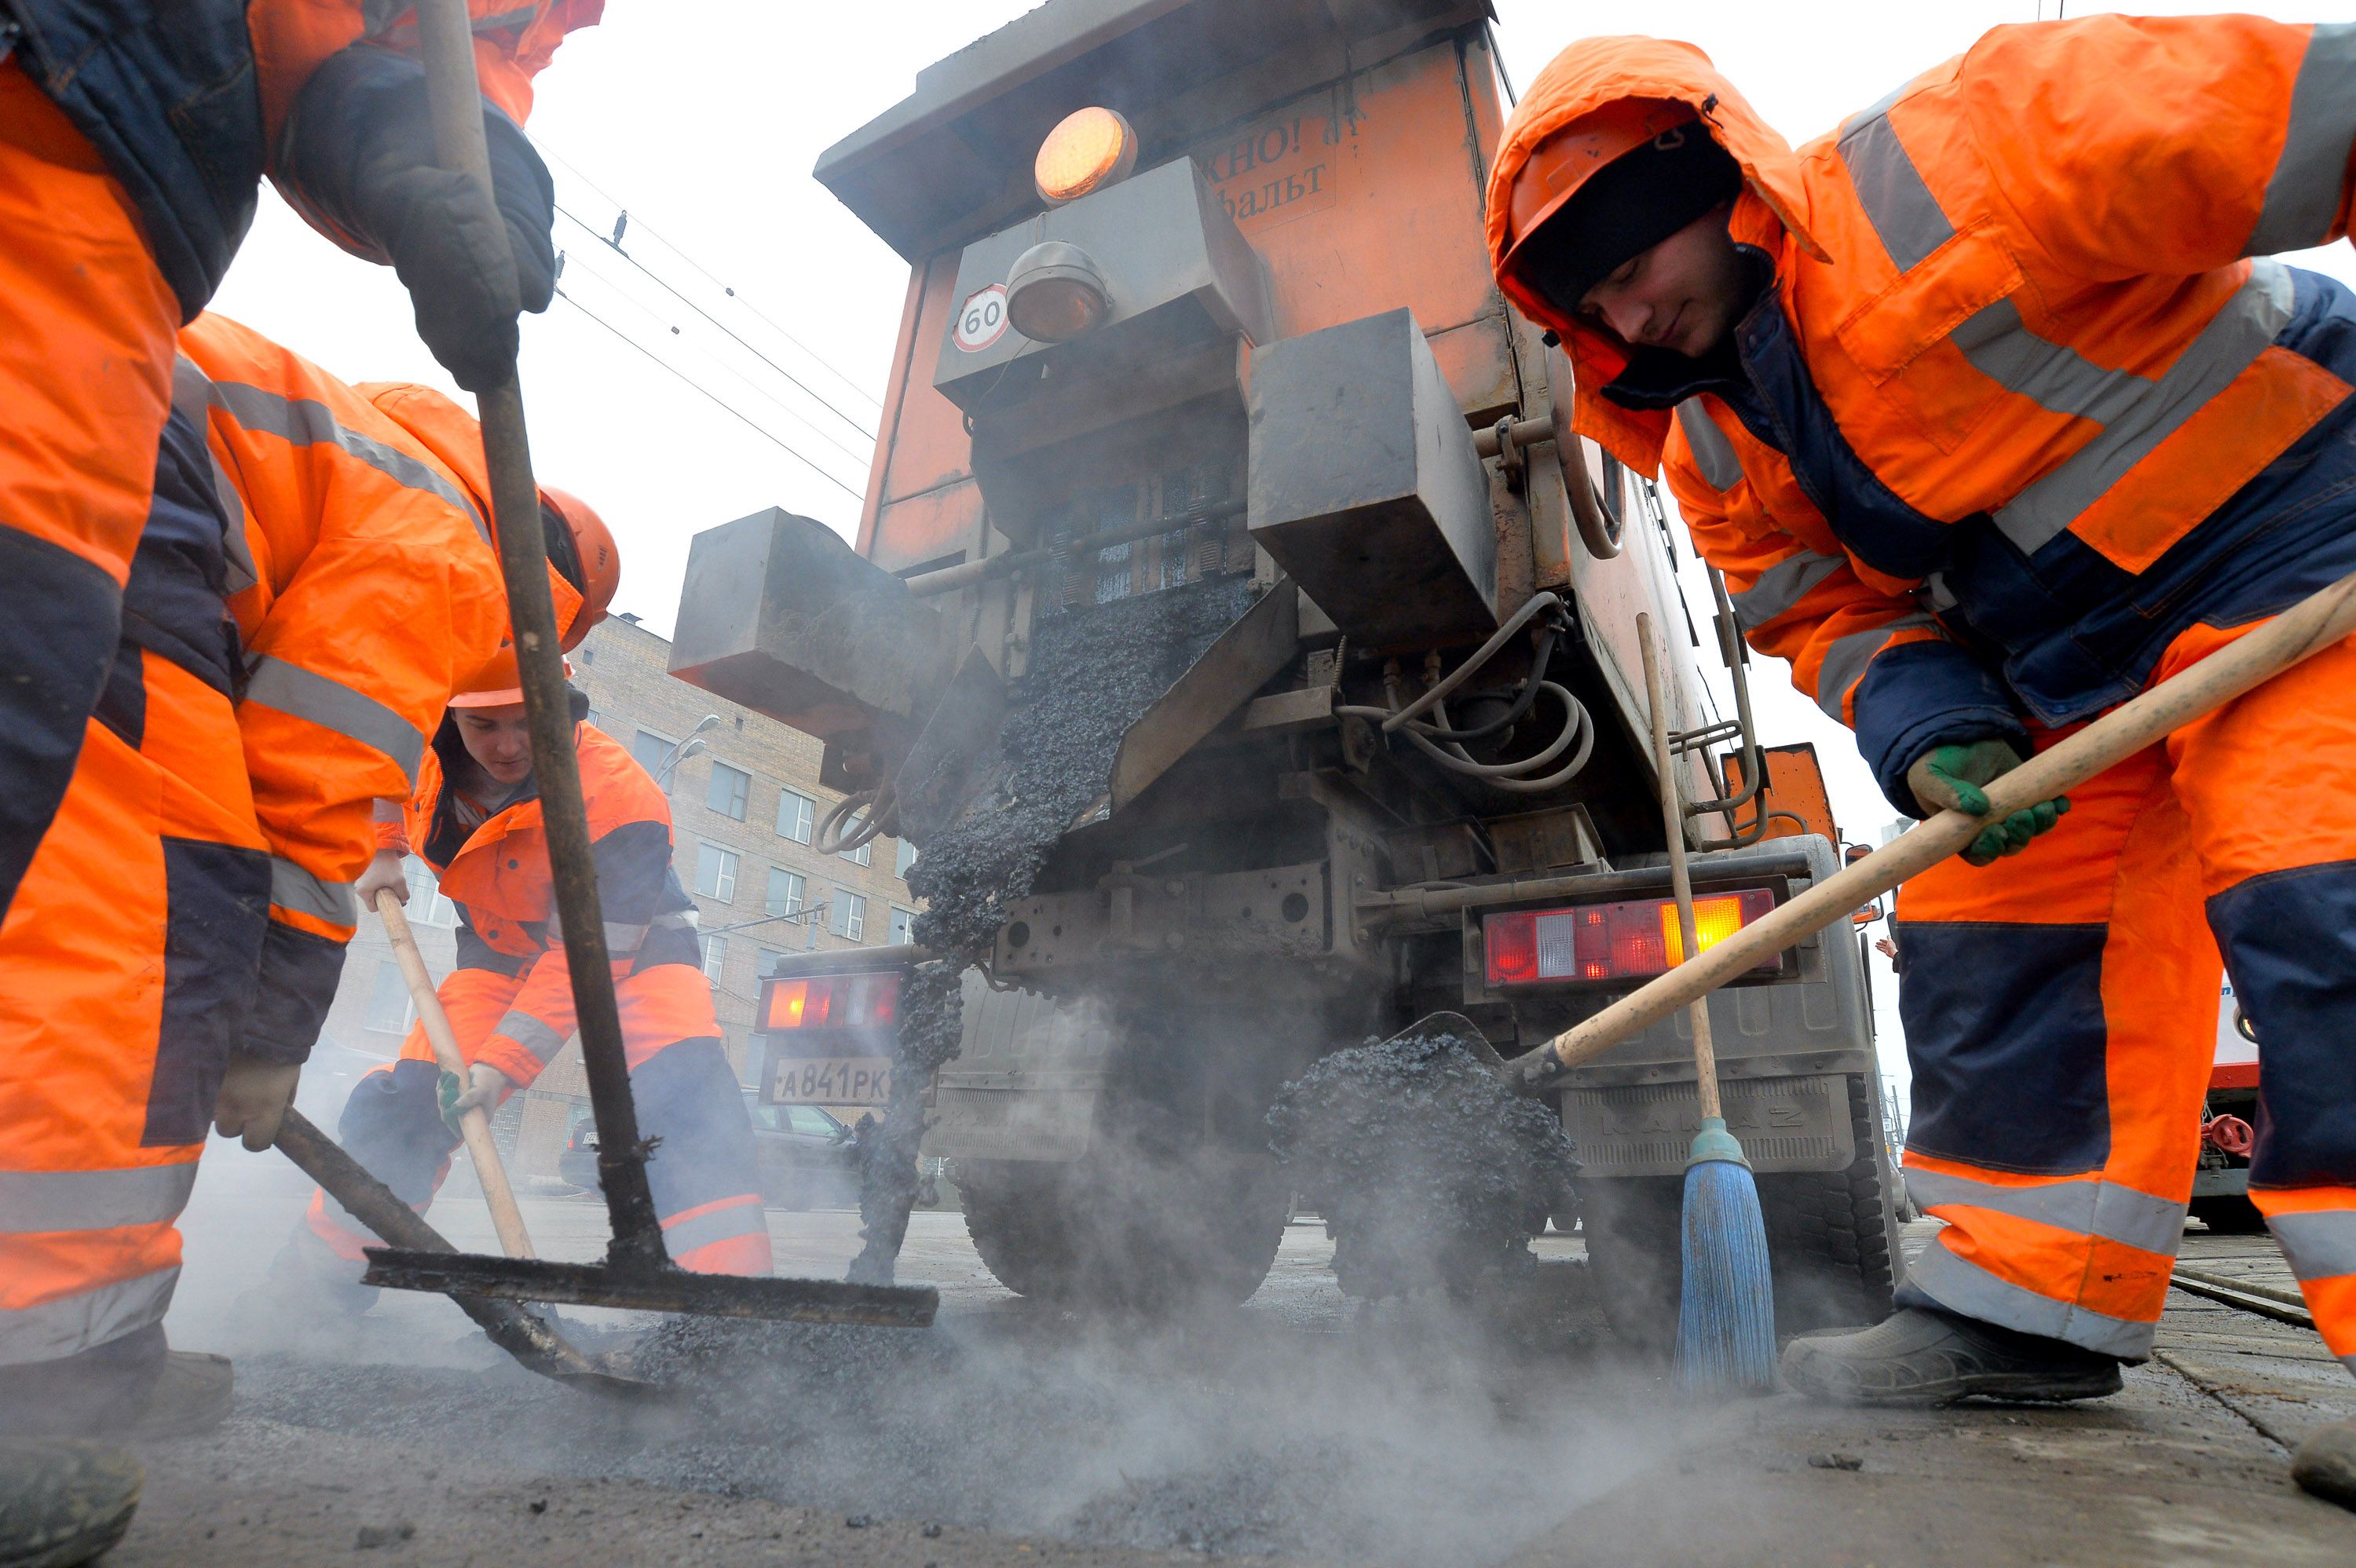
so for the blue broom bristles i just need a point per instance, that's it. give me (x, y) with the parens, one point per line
(1726, 1320)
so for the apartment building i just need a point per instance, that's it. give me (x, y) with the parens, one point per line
(745, 806)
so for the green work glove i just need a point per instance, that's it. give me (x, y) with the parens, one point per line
(1948, 778)
(485, 1086)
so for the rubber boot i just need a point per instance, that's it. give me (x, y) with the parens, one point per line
(2324, 1465)
(1921, 1357)
(63, 1501)
(132, 1387)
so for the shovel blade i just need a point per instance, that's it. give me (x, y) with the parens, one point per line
(1460, 1028)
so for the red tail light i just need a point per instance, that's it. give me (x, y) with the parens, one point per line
(831, 1001)
(1629, 940)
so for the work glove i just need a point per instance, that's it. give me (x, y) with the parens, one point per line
(358, 162)
(1948, 778)
(383, 875)
(485, 1086)
(253, 1097)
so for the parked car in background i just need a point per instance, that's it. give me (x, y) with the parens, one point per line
(806, 1157)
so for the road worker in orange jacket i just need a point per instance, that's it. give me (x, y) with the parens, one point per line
(1993, 410)
(475, 819)
(311, 586)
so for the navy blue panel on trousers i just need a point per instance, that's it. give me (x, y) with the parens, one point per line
(56, 644)
(687, 1097)
(2004, 1032)
(392, 1124)
(216, 907)
(2289, 941)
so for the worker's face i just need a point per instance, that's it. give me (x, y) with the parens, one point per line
(498, 740)
(1684, 294)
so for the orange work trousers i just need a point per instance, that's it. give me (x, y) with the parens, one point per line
(127, 960)
(86, 347)
(702, 1173)
(2061, 1011)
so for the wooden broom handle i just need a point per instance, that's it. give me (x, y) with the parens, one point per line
(2307, 628)
(1673, 818)
(474, 1126)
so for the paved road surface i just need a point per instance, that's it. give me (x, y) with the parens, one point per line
(1295, 1427)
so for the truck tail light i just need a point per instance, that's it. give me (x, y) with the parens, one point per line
(1630, 940)
(831, 1001)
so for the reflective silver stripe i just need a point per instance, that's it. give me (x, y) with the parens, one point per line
(330, 704)
(36, 1200)
(2000, 346)
(1935, 595)
(308, 422)
(192, 393)
(2088, 1206)
(2320, 1244)
(622, 940)
(53, 1331)
(1712, 452)
(720, 1225)
(532, 1034)
(680, 920)
(1845, 660)
(2305, 190)
(1967, 1289)
(292, 887)
(1781, 586)
(1903, 212)
(2240, 332)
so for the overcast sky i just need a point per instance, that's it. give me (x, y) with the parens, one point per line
(704, 120)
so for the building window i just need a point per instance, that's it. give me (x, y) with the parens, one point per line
(731, 787)
(715, 953)
(588, 655)
(862, 856)
(596, 720)
(427, 906)
(715, 873)
(388, 1009)
(850, 915)
(903, 857)
(650, 749)
(903, 929)
(786, 890)
(770, 959)
(795, 812)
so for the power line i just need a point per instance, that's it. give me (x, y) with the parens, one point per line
(623, 218)
(661, 283)
(707, 391)
(861, 458)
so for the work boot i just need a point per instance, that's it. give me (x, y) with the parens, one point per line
(1921, 1357)
(63, 1501)
(131, 1387)
(2325, 1464)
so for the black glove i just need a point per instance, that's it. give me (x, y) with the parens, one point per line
(357, 160)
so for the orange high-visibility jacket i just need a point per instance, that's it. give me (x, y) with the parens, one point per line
(2006, 409)
(498, 874)
(364, 588)
(190, 101)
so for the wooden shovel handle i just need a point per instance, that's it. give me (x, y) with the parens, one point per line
(2307, 628)
(474, 1126)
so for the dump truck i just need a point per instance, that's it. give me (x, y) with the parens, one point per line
(1199, 322)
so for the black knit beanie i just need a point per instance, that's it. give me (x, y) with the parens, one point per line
(1627, 206)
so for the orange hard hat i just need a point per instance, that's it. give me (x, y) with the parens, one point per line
(593, 553)
(1553, 173)
(498, 684)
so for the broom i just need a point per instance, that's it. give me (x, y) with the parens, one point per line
(1725, 1313)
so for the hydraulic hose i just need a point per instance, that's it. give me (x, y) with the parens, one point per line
(1470, 667)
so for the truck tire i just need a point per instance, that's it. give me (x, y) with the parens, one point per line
(1826, 1237)
(1115, 1231)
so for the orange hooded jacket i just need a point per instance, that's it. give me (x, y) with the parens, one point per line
(2011, 361)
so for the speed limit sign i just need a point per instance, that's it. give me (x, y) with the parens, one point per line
(981, 319)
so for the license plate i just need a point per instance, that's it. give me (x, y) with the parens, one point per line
(832, 1080)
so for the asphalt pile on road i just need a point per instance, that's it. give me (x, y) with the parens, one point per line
(1093, 671)
(1431, 1173)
